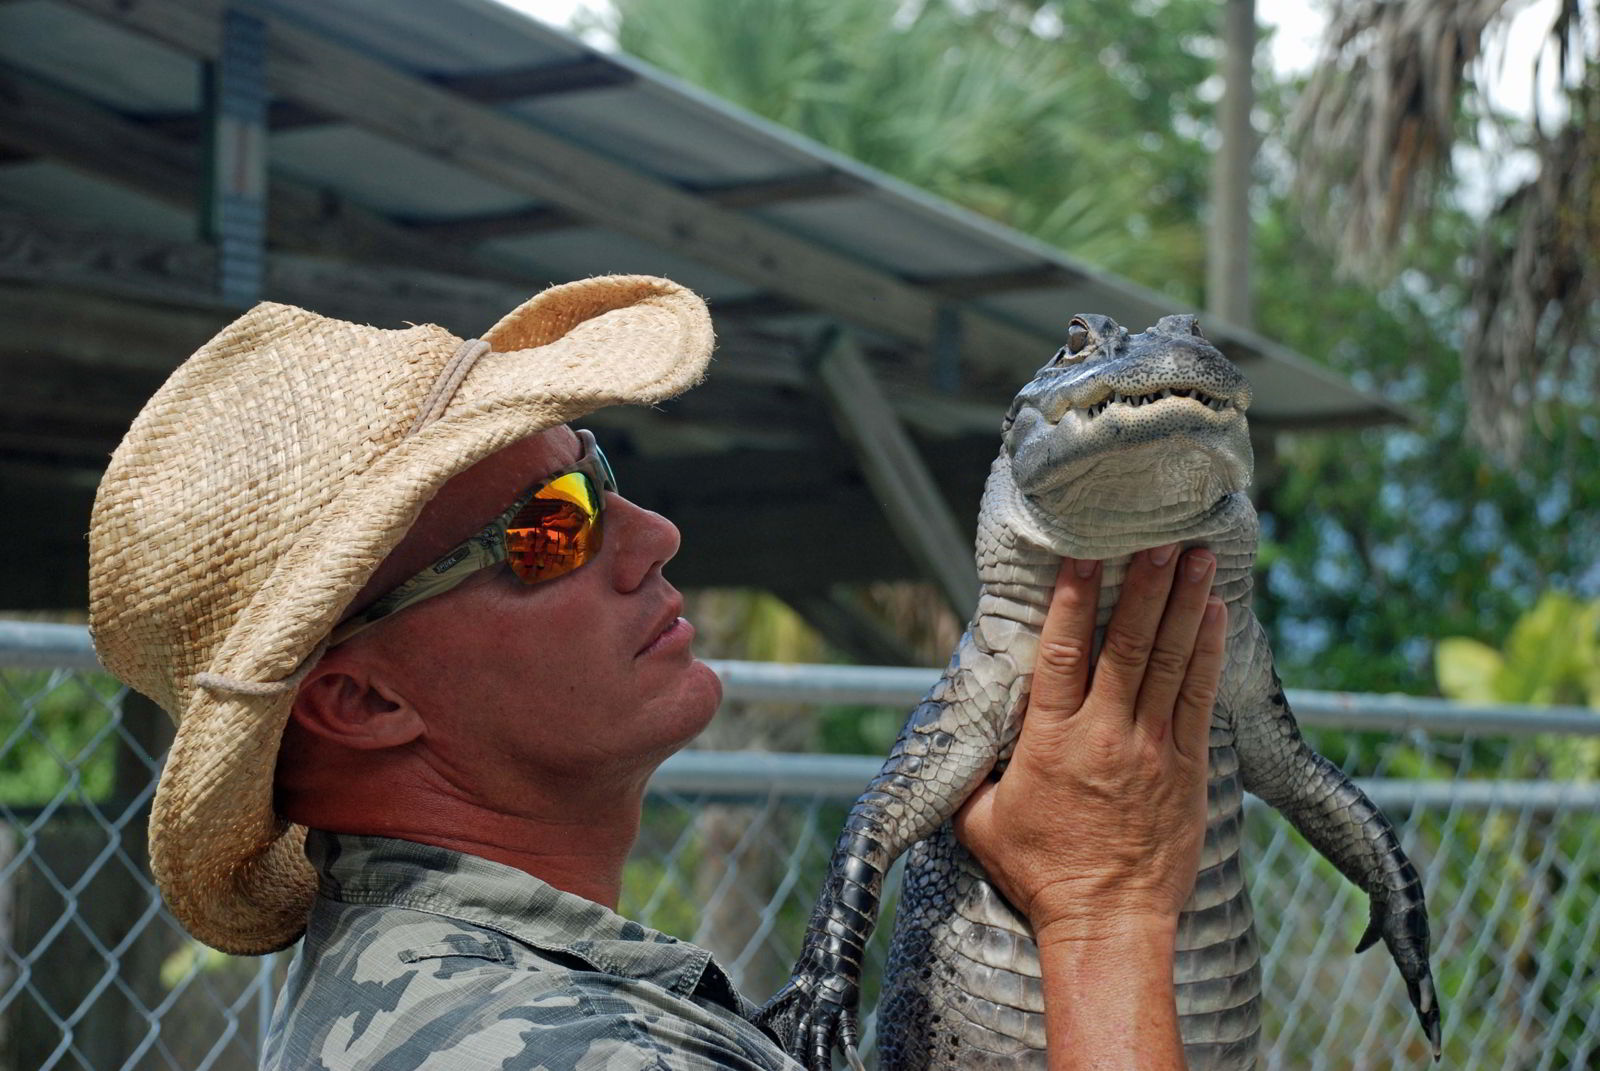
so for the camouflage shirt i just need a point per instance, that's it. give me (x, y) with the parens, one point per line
(421, 958)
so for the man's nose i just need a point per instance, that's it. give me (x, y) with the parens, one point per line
(644, 541)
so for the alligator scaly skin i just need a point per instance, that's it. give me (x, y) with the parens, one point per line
(962, 989)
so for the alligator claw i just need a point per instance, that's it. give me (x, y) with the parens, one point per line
(1403, 927)
(809, 1027)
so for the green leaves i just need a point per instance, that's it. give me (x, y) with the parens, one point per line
(1079, 127)
(1551, 658)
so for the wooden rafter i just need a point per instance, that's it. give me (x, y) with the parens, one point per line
(55, 123)
(916, 510)
(542, 220)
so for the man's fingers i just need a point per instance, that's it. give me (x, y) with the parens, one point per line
(1066, 641)
(1191, 717)
(1175, 641)
(1131, 633)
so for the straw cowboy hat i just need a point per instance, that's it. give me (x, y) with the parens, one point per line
(257, 492)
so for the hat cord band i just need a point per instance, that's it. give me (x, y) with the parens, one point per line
(216, 682)
(444, 388)
(433, 406)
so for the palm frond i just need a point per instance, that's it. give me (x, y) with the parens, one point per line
(1374, 129)
(1373, 137)
(1535, 290)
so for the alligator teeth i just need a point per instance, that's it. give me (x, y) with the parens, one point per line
(1216, 405)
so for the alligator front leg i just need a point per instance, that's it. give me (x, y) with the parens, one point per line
(946, 748)
(1340, 821)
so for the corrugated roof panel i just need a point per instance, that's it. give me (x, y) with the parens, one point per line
(878, 229)
(651, 122)
(1048, 309)
(65, 192)
(576, 252)
(432, 37)
(663, 133)
(388, 176)
(1301, 392)
(127, 71)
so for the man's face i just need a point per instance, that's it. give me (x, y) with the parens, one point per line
(580, 680)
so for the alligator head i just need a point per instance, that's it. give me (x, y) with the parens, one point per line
(1129, 439)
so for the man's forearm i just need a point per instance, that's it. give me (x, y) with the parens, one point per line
(1109, 998)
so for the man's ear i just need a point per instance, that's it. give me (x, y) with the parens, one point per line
(346, 701)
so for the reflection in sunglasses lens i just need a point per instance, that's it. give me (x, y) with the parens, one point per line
(555, 532)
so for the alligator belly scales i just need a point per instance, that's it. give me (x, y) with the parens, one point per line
(1120, 443)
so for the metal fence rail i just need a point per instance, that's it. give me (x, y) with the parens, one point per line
(1498, 807)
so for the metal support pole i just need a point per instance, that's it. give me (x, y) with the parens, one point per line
(236, 178)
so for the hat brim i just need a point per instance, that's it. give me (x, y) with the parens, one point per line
(233, 872)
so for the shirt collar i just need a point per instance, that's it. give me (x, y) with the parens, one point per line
(382, 870)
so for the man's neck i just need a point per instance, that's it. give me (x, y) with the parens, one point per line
(576, 842)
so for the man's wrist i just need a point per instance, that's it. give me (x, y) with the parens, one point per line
(1110, 1000)
(1109, 929)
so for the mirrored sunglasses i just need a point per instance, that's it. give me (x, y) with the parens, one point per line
(551, 529)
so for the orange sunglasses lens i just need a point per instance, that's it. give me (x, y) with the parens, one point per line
(557, 531)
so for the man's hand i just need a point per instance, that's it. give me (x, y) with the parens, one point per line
(1100, 816)
(1094, 830)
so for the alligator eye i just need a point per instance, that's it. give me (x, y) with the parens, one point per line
(1077, 339)
(1194, 329)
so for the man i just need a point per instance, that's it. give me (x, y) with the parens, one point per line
(391, 597)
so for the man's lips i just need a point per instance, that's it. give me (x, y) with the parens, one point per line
(666, 628)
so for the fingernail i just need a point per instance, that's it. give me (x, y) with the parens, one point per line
(1214, 609)
(1197, 564)
(1085, 567)
(1162, 555)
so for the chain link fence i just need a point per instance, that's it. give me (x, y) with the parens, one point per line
(1499, 809)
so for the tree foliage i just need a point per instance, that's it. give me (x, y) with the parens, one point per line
(1079, 124)
(1089, 125)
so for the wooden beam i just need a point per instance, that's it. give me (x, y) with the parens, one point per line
(486, 87)
(43, 249)
(475, 229)
(812, 186)
(56, 123)
(899, 477)
(191, 126)
(327, 76)
(544, 220)
(101, 330)
(758, 306)
(1038, 277)
(579, 75)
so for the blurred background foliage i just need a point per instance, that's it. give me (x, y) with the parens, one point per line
(1090, 126)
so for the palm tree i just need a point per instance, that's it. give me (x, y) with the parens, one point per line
(1399, 88)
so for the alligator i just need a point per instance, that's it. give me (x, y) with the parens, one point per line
(1118, 444)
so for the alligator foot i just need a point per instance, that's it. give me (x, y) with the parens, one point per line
(808, 1027)
(1401, 920)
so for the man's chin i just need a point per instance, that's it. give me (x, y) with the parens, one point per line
(706, 688)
